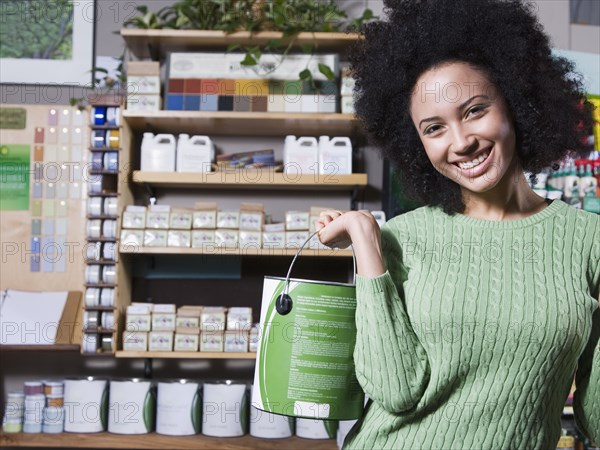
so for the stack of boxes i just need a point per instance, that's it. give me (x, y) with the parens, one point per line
(207, 227)
(163, 328)
(347, 92)
(143, 86)
(218, 82)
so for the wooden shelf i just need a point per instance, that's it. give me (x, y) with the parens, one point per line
(213, 250)
(157, 441)
(251, 179)
(156, 43)
(41, 348)
(242, 123)
(186, 355)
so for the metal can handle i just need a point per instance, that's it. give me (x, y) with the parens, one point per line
(284, 302)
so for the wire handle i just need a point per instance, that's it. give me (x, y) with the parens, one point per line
(284, 302)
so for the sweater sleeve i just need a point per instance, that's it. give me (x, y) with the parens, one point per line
(586, 399)
(391, 364)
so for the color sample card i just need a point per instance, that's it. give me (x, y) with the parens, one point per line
(14, 177)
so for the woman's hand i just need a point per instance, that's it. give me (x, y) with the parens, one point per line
(359, 228)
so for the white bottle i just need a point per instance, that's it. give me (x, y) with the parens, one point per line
(300, 156)
(335, 156)
(158, 153)
(589, 183)
(194, 154)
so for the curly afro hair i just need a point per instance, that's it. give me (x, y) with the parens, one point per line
(500, 37)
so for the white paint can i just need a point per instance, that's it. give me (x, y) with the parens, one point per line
(178, 408)
(316, 429)
(225, 409)
(132, 406)
(344, 427)
(85, 405)
(266, 425)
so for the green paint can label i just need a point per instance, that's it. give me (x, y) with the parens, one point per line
(304, 365)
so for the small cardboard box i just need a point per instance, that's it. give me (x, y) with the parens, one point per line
(135, 341)
(211, 341)
(160, 341)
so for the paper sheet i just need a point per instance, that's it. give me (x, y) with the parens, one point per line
(30, 318)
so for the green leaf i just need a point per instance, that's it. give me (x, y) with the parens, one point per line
(326, 70)
(249, 60)
(305, 75)
(232, 47)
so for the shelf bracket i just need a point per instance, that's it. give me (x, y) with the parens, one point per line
(151, 191)
(148, 368)
(354, 199)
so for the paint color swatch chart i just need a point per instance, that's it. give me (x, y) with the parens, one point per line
(56, 186)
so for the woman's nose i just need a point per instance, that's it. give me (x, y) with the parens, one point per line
(463, 143)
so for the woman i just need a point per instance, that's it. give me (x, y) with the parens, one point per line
(475, 311)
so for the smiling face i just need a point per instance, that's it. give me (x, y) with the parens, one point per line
(465, 127)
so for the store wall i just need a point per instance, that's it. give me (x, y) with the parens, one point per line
(18, 366)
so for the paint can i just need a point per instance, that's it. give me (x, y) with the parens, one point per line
(98, 115)
(265, 425)
(54, 388)
(85, 405)
(33, 387)
(225, 409)
(305, 366)
(132, 406)
(344, 427)
(178, 408)
(54, 418)
(316, 429)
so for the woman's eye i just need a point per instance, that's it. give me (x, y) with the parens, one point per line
(431, 129)
(475, 110)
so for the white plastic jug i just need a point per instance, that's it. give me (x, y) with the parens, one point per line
(195, 154)
(300, 156)
(158, 153)
(335, 156)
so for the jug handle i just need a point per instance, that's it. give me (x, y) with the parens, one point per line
(283, 305)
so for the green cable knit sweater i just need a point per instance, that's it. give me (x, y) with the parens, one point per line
(471, 338)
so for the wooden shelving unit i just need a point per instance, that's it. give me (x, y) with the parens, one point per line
(156, 43)
(40, 348)
(242, 123)
(251, 179)
(213, 250)
(186, 355)
(157, 441)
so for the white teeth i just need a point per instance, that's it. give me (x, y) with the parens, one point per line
(475, 162)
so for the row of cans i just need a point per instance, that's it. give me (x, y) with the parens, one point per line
(175, 408)
(105, 116)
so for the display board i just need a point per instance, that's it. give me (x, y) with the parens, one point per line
(42, 197)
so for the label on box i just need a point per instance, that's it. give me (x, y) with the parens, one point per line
(212, 318)
(273, 239)
(138, 322)
(236, 341)
(186, 342)
(205, 219)
(228, 219)
(132, 237)
(181, 220)
(133, 219)
(211, 341)
(226, 238)
(135, 341)
(143, 103)
(142, 84)
(295, 239)
(239, 318)
(187, 322)
(155, 238)
(157, 219)
(202, 238)
(163, 321)
(250, 239)
(179, 238)
(160, 341)
(296, 220)
(252, 221)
